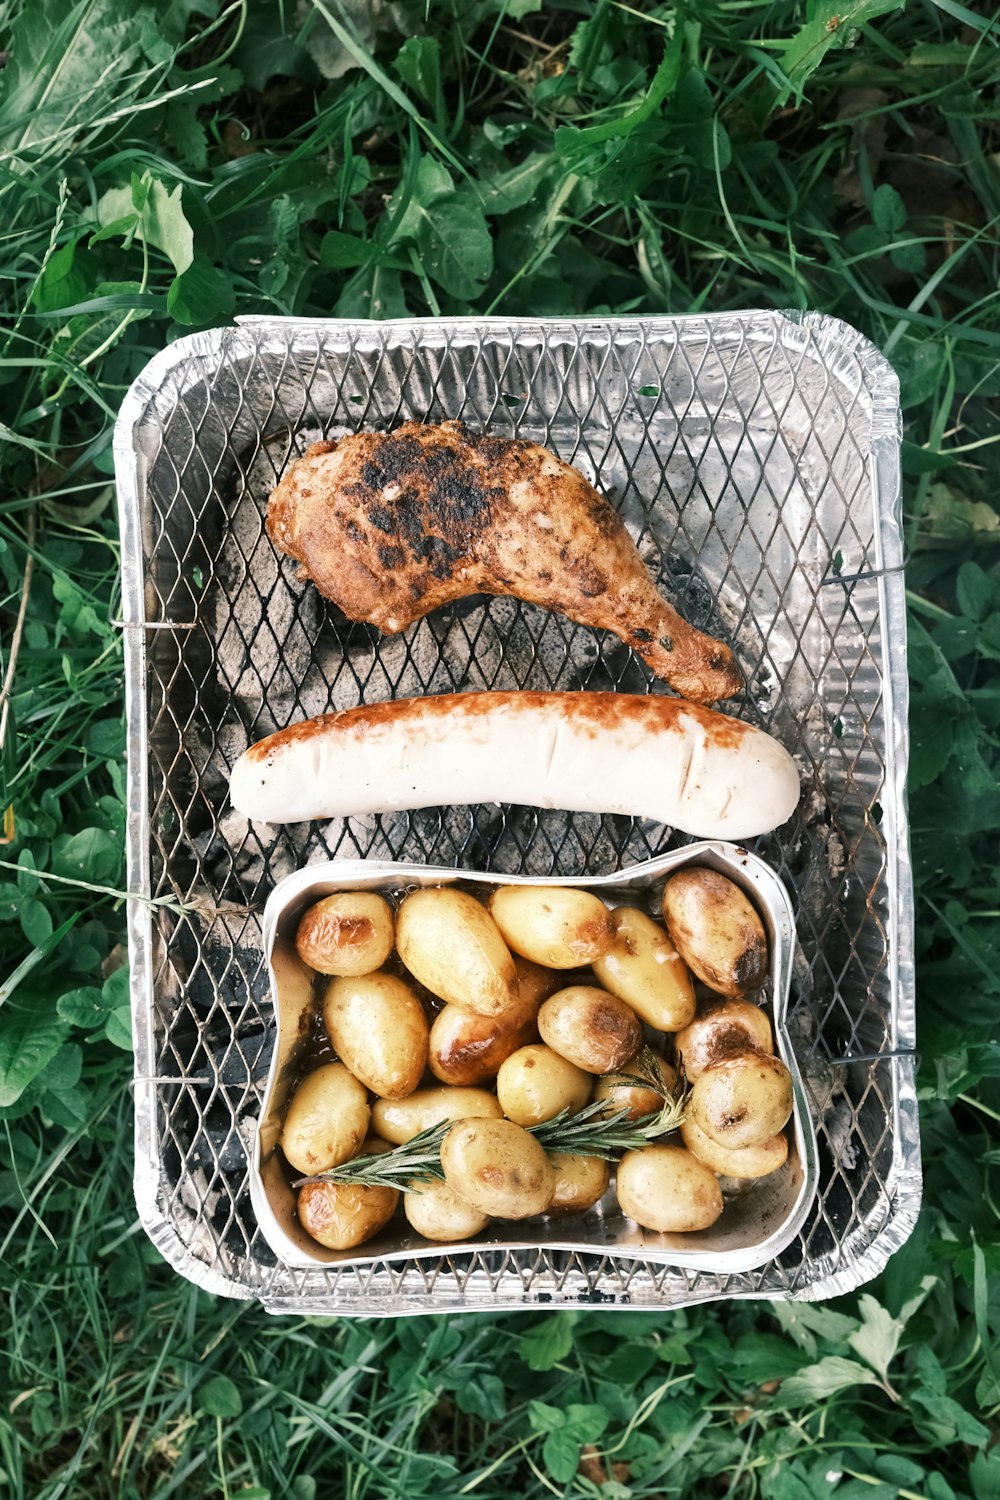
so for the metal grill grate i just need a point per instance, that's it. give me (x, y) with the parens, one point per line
(755, 461)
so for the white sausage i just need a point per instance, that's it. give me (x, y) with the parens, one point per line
(653, 757)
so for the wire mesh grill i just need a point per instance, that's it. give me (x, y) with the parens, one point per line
(754, 460)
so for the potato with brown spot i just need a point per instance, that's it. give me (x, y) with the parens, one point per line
(643, 968)
(556, 926)
(667, 1189)
(326, 1120)
(450, 943)
(498, 1168)
(536, 1084)
(593, 1029)
(341, 1215)
(745, 1164)
(742, 1102)
(716, 930)
(720, 1031)
(348, 933)
(468, 1048)
(379, 1030)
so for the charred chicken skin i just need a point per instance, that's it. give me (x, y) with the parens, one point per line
(392, 525)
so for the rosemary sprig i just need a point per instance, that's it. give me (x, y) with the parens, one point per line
(591, 1132)
(420, 1156)
(648, 1074)
(588, 1132)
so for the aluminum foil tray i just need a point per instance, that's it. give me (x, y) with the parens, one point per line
(758, 1222)
(755, 459)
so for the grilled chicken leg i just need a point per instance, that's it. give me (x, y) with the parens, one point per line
(392, 525)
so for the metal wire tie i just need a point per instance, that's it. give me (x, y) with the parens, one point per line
(900, 1053)
(846, 578)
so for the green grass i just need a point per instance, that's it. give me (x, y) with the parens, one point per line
(163, 169)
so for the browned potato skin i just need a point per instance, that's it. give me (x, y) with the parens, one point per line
(591, 1028)
(398, 1120)
(498, 1168)
(466, 1048)
(326, 1120)
(350, 932)
(535, 983)
(726, 1029)
(436, 1211)
(716, 931)
(743, 1101)
(341, 1215)
(379, 1030)
(746, 1164)
(556, 926)
(450, 943)
(636, 1098)
(643, 968)
(536, 1084)
(667, 1189)
(581, 1181)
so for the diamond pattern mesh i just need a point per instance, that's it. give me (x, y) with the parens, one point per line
(742, 455)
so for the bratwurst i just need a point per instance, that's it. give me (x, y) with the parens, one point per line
(654, 757)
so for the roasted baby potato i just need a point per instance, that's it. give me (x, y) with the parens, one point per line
(466, 1048)
(398, 1120)
(595, 1030)
(436, 1211)
(643, 968)
(326, 1120)
(379, 1030)
(350, 932)
(743, 1101)
(716, 931)
(726, 1029)
(341, 1215)
(667, 1189)
(451, 944)
(535, 1083)
(636, 1097)
(749, 1162)
(552, 925)
(498, 1168)
(581, 1181)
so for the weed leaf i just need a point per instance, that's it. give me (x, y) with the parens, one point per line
(824, 1379)
(159, 220)
(58, 56)
(418, 63)
(570, 140)
(82, 1007)
(29, 1040)
(220, 1397)
(24, 968)
(830, 24)
(550, 1342)
(878, 1337)
(201, 295)
(561, 1452)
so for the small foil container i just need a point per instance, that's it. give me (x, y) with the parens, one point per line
(759, 1220)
